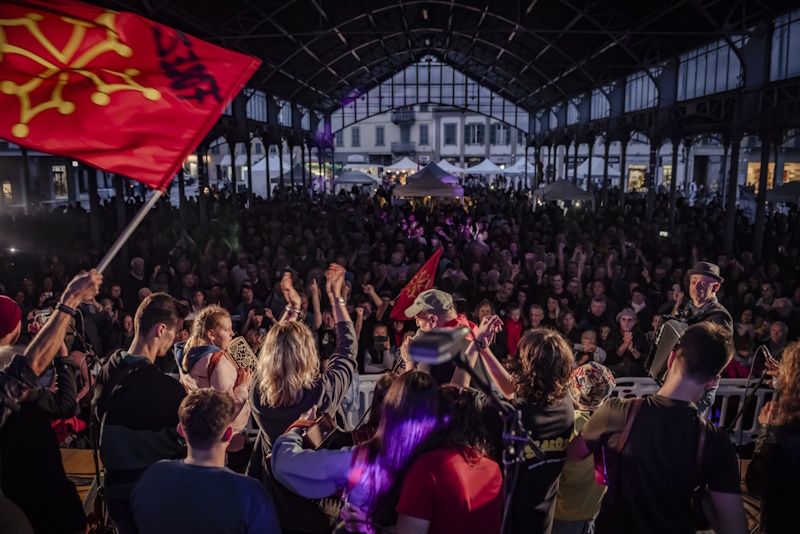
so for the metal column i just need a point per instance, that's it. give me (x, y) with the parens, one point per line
(733, 190)
(761, 198)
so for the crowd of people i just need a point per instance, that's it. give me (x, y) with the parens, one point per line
(559, 302)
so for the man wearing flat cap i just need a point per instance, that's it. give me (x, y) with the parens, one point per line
(703, 306)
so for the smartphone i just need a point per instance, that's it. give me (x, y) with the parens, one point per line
(262, 332)
(378, 342)
(48, 295)
(260, 312)
(662, 233)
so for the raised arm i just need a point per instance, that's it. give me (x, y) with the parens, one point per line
(44, 347)
(480, 347)
(313, 291)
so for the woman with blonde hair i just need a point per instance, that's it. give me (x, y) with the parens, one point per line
(204, 362)
(775, 468)
(288, 382)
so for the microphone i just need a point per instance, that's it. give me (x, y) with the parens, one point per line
(438, 346)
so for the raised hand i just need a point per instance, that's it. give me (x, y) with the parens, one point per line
(289, 292)
(335, 280)
(490, 325)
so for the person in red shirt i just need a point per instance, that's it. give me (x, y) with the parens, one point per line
(456, 487)
(512, 325)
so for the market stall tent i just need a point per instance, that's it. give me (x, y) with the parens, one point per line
(404, 165)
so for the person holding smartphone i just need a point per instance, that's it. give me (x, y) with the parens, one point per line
(378, 358)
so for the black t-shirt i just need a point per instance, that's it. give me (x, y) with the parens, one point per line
(533, 504)
(651, 489)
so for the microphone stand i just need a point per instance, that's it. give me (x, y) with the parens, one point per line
(748, 397)
(94, 435)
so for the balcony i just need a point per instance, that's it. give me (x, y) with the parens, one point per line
(403, 147)
(403, 116)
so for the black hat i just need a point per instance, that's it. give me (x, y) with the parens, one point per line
(707, 269)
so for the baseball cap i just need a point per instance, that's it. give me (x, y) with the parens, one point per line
(591, 384)
(10, 315)
(431, 301)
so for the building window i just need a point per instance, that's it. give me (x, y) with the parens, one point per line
(640, 92)
(405, 133)
(273, 149)
(474, 134)
(785, 56)
(520, 137)
(257, 148)
(709, 69)
(600, 107)
(423, 134)
(499, 134)
(339, 138)
(423, 108)
(355, 136)
(572, 112)
(379, 136)
(449, 134)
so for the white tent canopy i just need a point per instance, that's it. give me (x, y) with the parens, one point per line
(519, 168)
(598, 164)
(241, 161)
(484, 167)
(448, 167)
(563, 190)
(404, 165)
(260, 168)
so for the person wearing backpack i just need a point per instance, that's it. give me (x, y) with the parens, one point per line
(204, 362)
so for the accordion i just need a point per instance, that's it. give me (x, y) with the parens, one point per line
(669, 331)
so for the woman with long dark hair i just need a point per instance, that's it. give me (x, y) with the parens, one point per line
(409, 415)
(774, 471)
(288, 382)
(204, 362)
(423, 432)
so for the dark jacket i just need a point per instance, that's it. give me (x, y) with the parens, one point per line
(716, 314)
(31, 471)
(773, 476)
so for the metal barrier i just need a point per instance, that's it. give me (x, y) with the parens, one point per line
(728, 401)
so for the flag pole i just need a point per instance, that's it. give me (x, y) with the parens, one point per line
(128, 231)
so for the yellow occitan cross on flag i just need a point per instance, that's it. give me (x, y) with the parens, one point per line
(418, 284)
(422, 281)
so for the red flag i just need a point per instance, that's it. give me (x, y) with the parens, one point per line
(114, 90)
(422, 281)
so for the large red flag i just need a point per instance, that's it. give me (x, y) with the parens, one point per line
(114, 90)
(422, 281)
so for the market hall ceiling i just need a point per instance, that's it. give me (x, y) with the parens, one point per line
(534, 53)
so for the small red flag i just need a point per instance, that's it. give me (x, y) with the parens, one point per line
(112, 89)
(422, 281)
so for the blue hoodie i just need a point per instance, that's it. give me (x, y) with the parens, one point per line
(194, 355)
